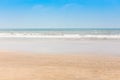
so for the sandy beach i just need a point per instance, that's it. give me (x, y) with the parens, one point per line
(15, 66)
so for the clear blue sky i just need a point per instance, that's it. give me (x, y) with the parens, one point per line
(59, 13)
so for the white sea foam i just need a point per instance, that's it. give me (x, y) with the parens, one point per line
(58, 36)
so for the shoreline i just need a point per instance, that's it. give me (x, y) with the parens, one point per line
(52, 46)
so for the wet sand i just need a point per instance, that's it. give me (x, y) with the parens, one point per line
(16, 66)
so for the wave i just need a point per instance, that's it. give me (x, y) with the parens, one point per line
(60, 36)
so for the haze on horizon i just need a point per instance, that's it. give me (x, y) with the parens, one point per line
(59, 13)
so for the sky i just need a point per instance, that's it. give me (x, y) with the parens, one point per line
(59, 13)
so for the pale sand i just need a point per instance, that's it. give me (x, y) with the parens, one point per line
(58, 67)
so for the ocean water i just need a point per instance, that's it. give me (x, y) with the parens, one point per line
(75, 33)
(58, 41)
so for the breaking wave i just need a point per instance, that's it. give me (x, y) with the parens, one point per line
(59, 36)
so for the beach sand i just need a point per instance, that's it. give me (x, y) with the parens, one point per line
(15, 66)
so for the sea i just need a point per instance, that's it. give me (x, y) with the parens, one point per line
(102, 41)
(62, 33)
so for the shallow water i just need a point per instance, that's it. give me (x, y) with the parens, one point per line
(59, 46)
